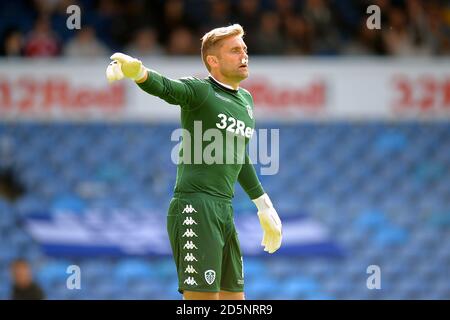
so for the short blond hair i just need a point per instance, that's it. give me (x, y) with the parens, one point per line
(212, 38)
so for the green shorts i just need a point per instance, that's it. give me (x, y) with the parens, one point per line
(205, 243)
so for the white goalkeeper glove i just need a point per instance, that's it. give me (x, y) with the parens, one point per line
(270, 223)
(125, 66)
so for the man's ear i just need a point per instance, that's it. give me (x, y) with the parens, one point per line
(212, 61)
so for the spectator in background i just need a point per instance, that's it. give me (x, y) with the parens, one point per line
(384, 5)
(85, 44)
(12, 44)
(422, 37)
(365, 42)
(325, 35)
(248, 15)
(175, 19)
(419, 27)
(41, 41)
(417, 18)
(23, 286)
(59, 17)
(11, 186)
(145, 43)
(109, 21)
(268, 39)
(181, 42)
(219, 14)
(299, 36)
(116, 20)
(284, 8)
(446, 15)
(396, 37)
(439, 28)
(45, 7)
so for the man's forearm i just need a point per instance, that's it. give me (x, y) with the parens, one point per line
(172, 91)
(249, 181)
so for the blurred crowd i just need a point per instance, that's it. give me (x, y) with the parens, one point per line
(37, 28)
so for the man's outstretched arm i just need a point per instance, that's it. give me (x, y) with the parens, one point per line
(268, 216)
(185, 92)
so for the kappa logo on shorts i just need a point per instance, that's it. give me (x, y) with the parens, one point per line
(189, 233)
(210, 276)
(190, 281)
(189, 245)
(189, 221)
(189, 209)
(190, 257)
(190, 269)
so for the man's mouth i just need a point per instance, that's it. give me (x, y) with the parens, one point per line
(243, 66)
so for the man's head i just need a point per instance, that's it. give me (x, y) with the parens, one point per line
(21, 273)
(224, 53)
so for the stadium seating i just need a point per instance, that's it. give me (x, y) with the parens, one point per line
(381, 188)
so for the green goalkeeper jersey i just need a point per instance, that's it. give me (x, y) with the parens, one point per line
(217, 124)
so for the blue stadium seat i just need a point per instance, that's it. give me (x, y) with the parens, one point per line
(370, 220)
(389, 236)
(261, 288)
(136, 270)
(68, 203)
(297, 286)
(254, 268)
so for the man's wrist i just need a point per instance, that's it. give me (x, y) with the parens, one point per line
(263, 202)
(143, 75)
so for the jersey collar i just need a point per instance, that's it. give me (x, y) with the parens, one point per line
(223, 85)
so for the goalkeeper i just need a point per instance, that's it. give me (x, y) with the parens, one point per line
(200, 220)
